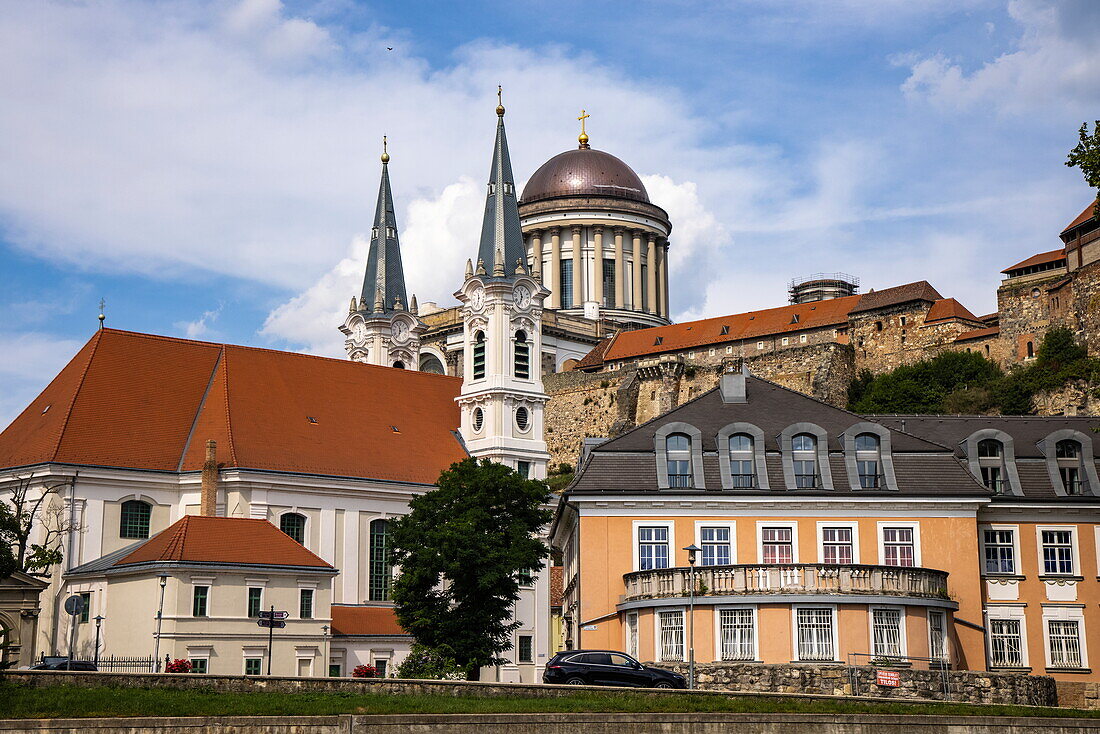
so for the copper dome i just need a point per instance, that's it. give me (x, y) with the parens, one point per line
(584, 171)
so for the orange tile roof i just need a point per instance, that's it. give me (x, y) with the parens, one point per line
(151, 402)
(751, 325)
(921, 290)
(596, 356)
(1041, 259)
(355, 620)
(948, 308)
(199, 539)
(1087, 214)
(978, 333)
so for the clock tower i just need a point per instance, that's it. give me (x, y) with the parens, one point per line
(382, 327)
(502, 397)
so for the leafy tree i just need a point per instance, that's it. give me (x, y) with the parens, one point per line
(461, 550)
(1086, 156)
(923, 387)
(437, 664)
(25, 507)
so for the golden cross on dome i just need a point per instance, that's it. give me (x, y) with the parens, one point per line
(583, 137)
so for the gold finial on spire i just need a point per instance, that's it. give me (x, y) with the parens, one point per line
(102, 318)
(583, 137)
(385, 152)
(500, 105)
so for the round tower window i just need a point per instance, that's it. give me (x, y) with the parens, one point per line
(523, 419)
(479, 419)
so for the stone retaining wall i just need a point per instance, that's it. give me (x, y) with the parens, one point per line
(966, 686)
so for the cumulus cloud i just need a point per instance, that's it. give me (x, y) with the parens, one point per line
(200, 328)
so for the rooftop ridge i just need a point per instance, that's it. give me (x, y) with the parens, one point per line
(224, 359)
(97, 339)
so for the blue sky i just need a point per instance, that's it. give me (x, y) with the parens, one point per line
(209, 168)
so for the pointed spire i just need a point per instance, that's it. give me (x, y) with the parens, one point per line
(413, 307)
(469, 268)
(501, 236)
(353, 308)
(385, 274)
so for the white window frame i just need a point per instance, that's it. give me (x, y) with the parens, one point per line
(636, 541)
(761, 524)
(903, 641)
(1016, 559)
(658, 646)
(1013, 613)
(786, 341)
(794, 632)
(1075, 550)
(915, 525)
(942, 613)
(852, 525)
(1065, 613)
(752, 609)
(759, 345)
(208, 582)
(731, 526)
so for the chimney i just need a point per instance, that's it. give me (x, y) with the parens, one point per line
(208, 505)
(733, 386)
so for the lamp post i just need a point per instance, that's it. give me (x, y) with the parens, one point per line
(691, 550)
(327, 660)
(98, 621)
(160, 618)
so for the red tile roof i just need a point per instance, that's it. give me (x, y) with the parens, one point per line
(946, 309)
(595, 358)
(151, 402)
(1084, 216)
(978, 333)
(199, 539)
(921, 290)
(355, 620)
(1041, 259)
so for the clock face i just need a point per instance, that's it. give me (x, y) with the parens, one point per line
(522, 296)
(477, 298)
(400, 330)
(359, 331)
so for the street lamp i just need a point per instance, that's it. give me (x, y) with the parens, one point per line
(692, 550)
(160, 618)
(98, 621)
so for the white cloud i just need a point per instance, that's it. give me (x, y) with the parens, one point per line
(27, 357)
(1057, 63)
(200, 328)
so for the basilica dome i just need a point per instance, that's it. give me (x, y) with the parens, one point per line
(584, 172)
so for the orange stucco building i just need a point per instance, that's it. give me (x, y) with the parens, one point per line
(822, 536)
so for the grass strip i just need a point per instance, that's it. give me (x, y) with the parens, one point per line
(26, 702)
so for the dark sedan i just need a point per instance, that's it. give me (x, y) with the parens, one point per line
(52, 663)
(607, 668)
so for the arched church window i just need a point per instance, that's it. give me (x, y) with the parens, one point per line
(134, 520)
(431, 364)
(523, 418)
(399, 365)
(479, 355)
(294, 525)
(523, 356)
(381, 567)
(479, 419)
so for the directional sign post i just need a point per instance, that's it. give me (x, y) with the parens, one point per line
(272, 620)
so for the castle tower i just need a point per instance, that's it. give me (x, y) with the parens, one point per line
(380, 328)
(502, 397)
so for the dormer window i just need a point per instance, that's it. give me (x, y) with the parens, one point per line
(678, 453)
(742, 461)
(804, 456)
(374, 233)
(1067, 454)
(991, 464)
(869, 461)
(509, 188)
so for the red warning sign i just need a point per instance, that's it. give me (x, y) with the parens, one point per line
(887, 678)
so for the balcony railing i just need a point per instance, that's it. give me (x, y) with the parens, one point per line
(797, 578)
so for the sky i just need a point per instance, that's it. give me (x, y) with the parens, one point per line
(209, 168)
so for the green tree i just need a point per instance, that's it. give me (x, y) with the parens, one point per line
(926, 386)
(26, 507)
(1086, 156)
(461, 551)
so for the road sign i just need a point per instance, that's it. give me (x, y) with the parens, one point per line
(887, 678)
(74, 605)
(274, 615)
(277, 624)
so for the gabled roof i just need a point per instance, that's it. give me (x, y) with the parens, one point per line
(596, 357)
(1086, 214)
(150, 402)
(1041, 259)
(946, 309)
(223, 540)
(363, 620)
(921, 290)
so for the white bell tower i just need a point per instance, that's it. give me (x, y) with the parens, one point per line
(502, 397)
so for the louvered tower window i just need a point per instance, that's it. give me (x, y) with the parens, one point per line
(523, 356)
(479, 355)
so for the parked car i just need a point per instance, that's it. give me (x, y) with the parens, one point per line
(52, 663)
(607, 668)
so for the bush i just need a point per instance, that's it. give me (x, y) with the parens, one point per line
(425, 663)
(364, 671)
(179, 665)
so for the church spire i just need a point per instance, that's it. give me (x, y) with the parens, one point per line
(502, 248)
(384, 282)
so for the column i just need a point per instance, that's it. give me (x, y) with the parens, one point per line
(662, 279)
(555, 268)
(597, 268)
(578, 269)
(536, 254)
(636, 291)
(620, 274)
(651, 274)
